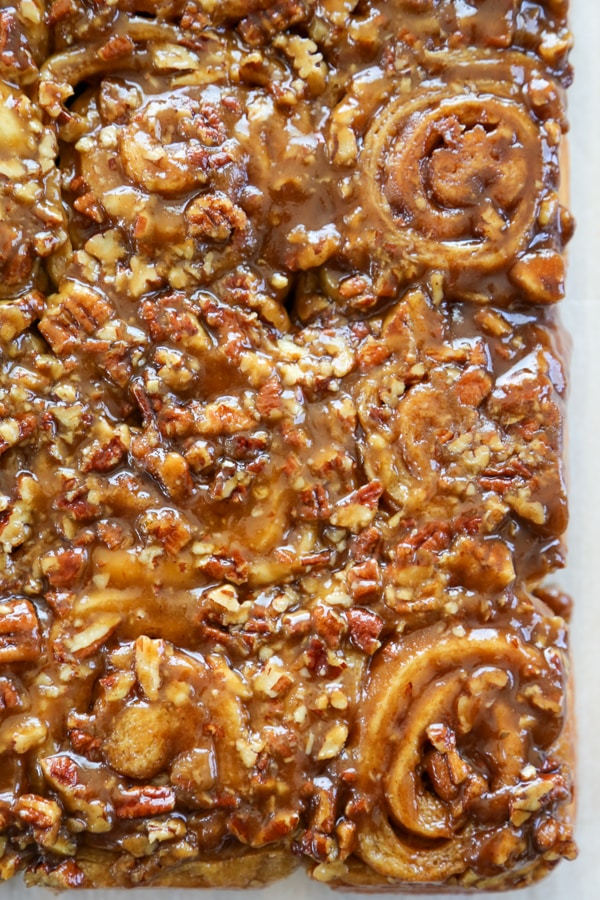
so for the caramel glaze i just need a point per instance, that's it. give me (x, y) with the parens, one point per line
(281, 411)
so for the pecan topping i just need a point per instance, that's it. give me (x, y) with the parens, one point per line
(20, 637)
(281, 423)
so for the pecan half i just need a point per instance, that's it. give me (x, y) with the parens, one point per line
(19, 632)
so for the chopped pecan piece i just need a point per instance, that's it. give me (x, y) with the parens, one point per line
(75, 312)
(10, 696)
(64, 567)
(64, 876)
(116, 47)
(167, 526)
(20, 637)
(364, 628)
(142, 802)
(16, 59)
(314, 503)
(38, 811)
(364, 579)
(214, 217)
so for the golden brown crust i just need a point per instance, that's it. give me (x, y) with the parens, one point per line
(101, 869)
(281, 429)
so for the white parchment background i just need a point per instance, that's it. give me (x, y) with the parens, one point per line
(581, 313)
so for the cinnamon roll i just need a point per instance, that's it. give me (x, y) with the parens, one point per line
(281, 426)
(460, 177)
(457, 732)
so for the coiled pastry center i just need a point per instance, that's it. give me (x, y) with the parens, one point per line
(465, 165)
(457, 169)
(431, 781)
(454, 732)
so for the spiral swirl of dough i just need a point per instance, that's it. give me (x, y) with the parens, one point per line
(72, 66)
(456, 172)
(490, 704)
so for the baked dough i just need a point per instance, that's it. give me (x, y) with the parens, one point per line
(281, 422)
